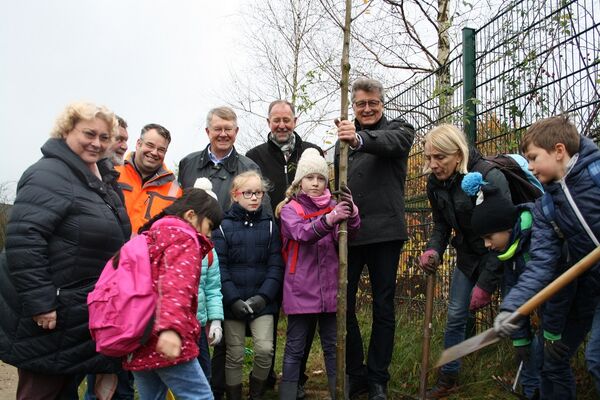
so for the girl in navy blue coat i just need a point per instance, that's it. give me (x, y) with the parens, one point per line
(249, 249)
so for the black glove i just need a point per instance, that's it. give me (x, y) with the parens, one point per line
(257, 303)
(523, 353)
(555, 350)
(240, 309)
(346, 195)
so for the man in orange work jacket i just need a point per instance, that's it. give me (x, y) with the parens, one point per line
(147, 184)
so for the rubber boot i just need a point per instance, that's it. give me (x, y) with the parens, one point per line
(288, 390)
(331, 386)
(446, 385)
(257, 388)
(233, 392)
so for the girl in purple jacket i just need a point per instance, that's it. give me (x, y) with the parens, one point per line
(309, 228)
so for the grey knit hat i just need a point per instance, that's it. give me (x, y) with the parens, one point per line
(311, 162)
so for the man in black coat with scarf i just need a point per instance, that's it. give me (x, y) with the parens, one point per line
(377, 163)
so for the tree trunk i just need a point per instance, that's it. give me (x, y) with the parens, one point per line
(444, 88)
(340, 392)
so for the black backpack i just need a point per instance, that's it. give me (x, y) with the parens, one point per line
(524, 186)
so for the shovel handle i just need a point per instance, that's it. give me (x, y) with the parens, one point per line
(563, 280)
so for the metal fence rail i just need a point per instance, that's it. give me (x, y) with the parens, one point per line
(533, 60)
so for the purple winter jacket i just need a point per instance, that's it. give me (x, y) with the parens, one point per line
(312, 287)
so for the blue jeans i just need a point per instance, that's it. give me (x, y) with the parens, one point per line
(186, 381)
(124, 389)
(592, 351)
(530, 374)
(204, 356)
(458, 312)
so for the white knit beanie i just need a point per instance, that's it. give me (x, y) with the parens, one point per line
(206, 185)
(311, 162)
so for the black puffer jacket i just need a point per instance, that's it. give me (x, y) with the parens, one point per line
(376, 175)
(65, 224)
(249, 258)
(452, 208)
(274, 166)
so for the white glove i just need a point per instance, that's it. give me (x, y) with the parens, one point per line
(215, 332)
(505, 324)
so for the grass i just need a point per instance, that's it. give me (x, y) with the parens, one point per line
(476, 374)
(475, 377)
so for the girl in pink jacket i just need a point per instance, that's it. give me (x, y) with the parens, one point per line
(309, 222)
(168, 359)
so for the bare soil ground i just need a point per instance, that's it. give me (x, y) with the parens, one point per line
(8, 381)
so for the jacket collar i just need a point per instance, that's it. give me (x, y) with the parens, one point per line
(230, 163)
(58, 148)
(238, 212)
(174, 221)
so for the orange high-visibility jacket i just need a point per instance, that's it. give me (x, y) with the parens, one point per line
(143, 201)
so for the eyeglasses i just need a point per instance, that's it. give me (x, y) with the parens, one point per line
(363, 103)
(227, 130)
(248, 194)
(92, 135)
(151, 146)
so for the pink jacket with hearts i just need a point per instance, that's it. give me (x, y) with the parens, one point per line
(176, 261)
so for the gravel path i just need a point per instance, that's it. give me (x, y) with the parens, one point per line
(8, 381)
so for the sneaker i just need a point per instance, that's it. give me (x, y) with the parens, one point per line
(446, 384)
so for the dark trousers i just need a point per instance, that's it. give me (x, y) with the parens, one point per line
(204, 356)
(298, 329)
(217, 365)
(37, 386)
(381, 260)
(311, 328)
(557, 380)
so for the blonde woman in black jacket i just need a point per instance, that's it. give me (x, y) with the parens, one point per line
(64, 225)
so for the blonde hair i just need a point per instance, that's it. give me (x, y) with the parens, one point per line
(242, 178)
(291, 192)
(82, 111)
(449, 140)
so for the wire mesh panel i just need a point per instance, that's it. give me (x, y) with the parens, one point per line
(535, 59)
(546, 63)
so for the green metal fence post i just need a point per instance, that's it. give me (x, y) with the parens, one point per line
(469, 93)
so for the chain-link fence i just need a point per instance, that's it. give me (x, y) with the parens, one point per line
(533, 60)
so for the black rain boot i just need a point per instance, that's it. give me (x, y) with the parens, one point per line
(331, 386)
(446, 385)
(257, 388)
(287, 390)
(233, 392)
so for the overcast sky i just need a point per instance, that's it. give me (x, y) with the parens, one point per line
(149, 61)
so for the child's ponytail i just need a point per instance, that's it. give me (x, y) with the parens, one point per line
(290, 193)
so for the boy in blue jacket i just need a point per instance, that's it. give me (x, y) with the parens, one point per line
(569, 167)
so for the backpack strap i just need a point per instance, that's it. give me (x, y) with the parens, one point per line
(594, 171)
(548, 204)
(210, 258)
(292, 245)
(549, 214)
